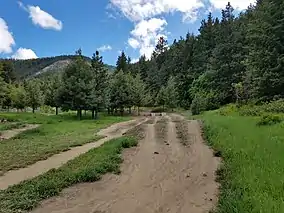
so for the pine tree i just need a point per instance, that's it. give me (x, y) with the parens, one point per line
(98, 96)
(122, 63)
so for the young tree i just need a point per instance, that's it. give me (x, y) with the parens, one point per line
(98, 95)
(171, 94)
(51, 95)
(120, 91)
(138, 92)
(18, 97)
(76, 86)
(34, 94)
(3, 87)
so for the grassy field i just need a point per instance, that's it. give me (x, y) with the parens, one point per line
(86, 168)
(252, 175)
(54, 135)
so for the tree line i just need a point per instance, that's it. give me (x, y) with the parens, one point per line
(233, 59)
(81, 86)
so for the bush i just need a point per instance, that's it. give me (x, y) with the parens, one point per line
(269, 120)
(158, 110)
(228, 110)
(203, 102)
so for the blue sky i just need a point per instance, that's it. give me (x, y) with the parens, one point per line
(33, 28)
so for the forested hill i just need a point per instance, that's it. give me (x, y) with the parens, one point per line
(35, 67)
(233, 59)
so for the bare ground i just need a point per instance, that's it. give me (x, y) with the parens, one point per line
(7, 134)
(156, 178)
(16, 176)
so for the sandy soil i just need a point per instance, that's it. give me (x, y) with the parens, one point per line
(16, 176)
(7, 134)
(158, 176)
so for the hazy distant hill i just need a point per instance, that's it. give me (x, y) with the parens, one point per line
(36, 67)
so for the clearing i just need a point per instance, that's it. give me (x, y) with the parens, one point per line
(163, 174)
(54, 135)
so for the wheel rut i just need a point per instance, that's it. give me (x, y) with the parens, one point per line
(160, 175)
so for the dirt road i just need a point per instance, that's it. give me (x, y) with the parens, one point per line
(160, 175)
(40, 167)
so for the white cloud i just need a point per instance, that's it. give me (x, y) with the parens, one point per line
(146, 34)
(237, 4)
(135, 60)
(42, 18)
(104, 48)
(6, 38)
(133, 43)
(137, 10)
(23, 54)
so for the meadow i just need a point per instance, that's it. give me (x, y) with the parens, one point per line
(55, 134)
(252, 173)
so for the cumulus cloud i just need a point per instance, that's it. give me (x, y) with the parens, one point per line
(133, 43)
(237, 4)
(146, 34)
(42, 18)
(137, 10)
(6, 38)
(104, 48)
(23, 54)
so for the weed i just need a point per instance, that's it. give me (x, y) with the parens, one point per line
(269, 119)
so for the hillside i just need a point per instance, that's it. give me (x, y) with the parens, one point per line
(36, 67)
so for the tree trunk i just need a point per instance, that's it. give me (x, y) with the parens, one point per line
(56, 110)
(129, 110)
(79, 114)
(108, 111)
(85, 112)
(96, 113)
(33, 109)
(121, 111)
(93, 114)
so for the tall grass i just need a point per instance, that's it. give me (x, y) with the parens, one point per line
(252, 175)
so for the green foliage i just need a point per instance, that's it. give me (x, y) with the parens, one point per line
(18, 96)
(269, 119)
(204, 101)
(34, 94)
(252, 157)
(88, 167)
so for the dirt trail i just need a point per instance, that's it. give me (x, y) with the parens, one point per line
(7, 134)
(158, 176)
(16, 176)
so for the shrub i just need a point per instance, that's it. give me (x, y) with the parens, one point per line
(203, 102)
(269, 120)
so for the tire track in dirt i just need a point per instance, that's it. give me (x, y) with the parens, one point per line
(16, 176)
(178, 179)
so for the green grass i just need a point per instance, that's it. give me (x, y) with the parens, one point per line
(54, 135)
(88, 167)
(11, 125)
(252, 175)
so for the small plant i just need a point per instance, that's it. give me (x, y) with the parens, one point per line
(269, 120)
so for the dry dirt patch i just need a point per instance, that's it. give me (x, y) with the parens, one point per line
(7, 134)
(179, 179)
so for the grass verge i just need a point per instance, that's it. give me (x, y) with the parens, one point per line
(252, 175)
(54, 135)
(88, 167)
